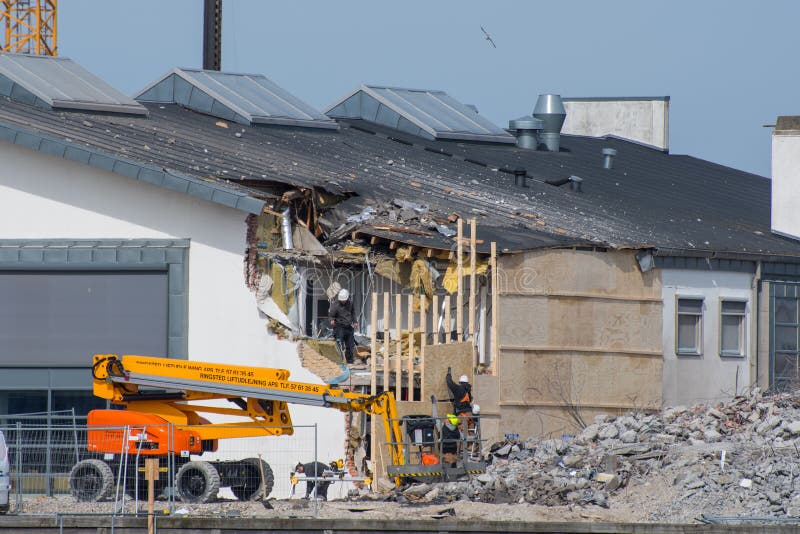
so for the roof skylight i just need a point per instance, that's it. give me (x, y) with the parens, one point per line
(60, 83)
(243, 98)
(426, 113)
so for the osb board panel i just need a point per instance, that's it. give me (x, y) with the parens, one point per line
(593, 379)
(486, 393)
(577, 271)
(539, 321)
(380, 451)
(438, 358)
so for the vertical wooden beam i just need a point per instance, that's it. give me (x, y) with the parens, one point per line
(373, 346)
(472, 239)
(423, 326)
(386, 316)
(373, 361)
(410, 363)
(435, 320)
(447, 319)
(398, 356)
(495, 311)
(460, 290)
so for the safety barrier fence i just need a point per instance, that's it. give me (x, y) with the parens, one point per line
(102, 469)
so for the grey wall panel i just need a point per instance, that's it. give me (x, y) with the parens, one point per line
(63, 318)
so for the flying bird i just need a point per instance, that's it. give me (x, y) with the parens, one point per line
(488, 37)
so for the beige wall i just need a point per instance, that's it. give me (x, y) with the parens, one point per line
(580, 332)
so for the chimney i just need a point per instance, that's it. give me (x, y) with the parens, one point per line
(785, 162)
(212, 34)
(527, 131)
(608, 157)
(550, 110)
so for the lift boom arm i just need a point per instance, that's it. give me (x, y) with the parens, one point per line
(261, 394)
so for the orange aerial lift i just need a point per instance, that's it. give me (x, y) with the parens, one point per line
(163, 399)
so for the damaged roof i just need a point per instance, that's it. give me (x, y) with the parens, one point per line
(649, 199)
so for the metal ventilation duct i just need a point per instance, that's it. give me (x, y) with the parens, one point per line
(550, 109)
(527, 130)
(608, 157)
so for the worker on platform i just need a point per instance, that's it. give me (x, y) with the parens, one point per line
(462, 395)
(314, 469)
(451, 436)
(342, 316)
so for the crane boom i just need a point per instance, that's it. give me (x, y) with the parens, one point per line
(29, 26)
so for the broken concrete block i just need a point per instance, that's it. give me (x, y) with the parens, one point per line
(629, 436)
(711, 435)
(418, 490)
(589, 433)
(608, 431)
(793, 428)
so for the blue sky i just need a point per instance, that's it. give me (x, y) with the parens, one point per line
(729, 66)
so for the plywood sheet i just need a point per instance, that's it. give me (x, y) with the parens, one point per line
(486, 393)
(586, 379)
(438, 358)
(558, 271)
(569, 322)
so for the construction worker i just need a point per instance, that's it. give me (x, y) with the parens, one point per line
(309, 470)
(462, 395)
(342, 316)
(450, 438)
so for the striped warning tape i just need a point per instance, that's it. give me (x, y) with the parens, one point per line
(429, 474)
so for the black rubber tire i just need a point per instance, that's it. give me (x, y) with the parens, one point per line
(251, 488)
(91, 481)
(197, 482)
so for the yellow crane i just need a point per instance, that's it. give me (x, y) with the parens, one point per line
(29, 26)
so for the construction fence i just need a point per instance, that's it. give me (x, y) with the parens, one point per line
(102, 469)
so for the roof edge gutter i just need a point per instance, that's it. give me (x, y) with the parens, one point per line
(722, 255)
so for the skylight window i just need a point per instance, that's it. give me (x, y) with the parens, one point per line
(426, 113)
(60, 83)
(243, 98)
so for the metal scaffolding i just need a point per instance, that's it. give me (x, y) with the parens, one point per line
(29, 26)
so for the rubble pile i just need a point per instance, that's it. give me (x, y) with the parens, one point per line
(737, 459)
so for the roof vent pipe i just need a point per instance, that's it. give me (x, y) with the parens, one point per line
(520, 177)
(576, 184)
(527, 131)
(608, 157)
(550, 109)
(286, 229)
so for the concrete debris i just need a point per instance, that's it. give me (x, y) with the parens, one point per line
(735, 459)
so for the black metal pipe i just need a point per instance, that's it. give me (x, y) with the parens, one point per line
(212, 35)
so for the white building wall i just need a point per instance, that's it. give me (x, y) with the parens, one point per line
(708, 378)
(645, 120)
(44, 197)
(786, 183)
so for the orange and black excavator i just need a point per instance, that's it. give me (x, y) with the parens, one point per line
(163, 399)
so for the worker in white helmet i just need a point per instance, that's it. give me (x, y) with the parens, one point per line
(462, 397)
(343, 320)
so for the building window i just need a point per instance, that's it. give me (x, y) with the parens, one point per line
(785, 344)
(689, 331)
(732, 315)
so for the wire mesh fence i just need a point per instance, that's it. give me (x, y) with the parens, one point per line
(76, 463)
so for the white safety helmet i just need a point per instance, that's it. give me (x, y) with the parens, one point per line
(343, 295)
(476, 409)
(464, 379)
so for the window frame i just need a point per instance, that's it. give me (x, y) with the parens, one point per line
(743, 353)
(699, 345)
